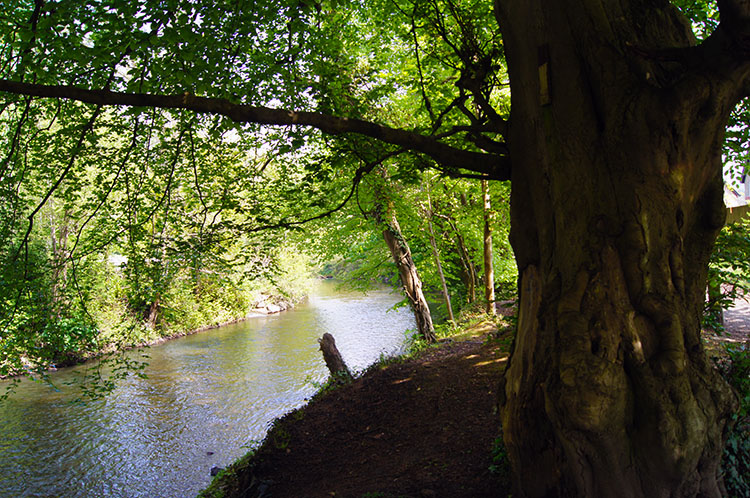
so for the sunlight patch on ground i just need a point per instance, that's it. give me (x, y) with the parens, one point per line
(490, 362)
(481, 328)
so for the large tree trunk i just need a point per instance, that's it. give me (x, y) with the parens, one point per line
(616, 202)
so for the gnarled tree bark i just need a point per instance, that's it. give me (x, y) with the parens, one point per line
(616, 203)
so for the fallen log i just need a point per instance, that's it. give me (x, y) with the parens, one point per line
(333, 359)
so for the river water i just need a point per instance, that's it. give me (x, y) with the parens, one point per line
(207, 400)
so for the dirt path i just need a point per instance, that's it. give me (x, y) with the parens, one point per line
(737, 321)
(421, 428)
(736, 330)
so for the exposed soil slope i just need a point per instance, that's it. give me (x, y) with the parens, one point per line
(424, 427)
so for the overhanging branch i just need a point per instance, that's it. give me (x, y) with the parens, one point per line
(492, 165)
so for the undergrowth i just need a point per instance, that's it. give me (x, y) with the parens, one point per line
(500, 465)
(735, 368)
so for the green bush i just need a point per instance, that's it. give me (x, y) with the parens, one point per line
(68, 337)
(500, 465)
(736, 459)
(728, 272)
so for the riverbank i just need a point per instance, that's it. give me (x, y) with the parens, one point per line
(201, 402)
(265, 304)
(424, 426)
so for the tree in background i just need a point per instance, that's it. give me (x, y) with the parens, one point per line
(489, 272)
(429, 214)
(434, 215)
(385, 216)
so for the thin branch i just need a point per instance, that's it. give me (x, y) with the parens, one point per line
(363, 170)
(16, 138)
(73, 156)
(106, 195)
(455, 103)
(197, 184)
(427, 103)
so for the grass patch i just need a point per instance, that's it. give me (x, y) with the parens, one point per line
(232, 481)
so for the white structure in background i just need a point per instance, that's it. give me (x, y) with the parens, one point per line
(117, 260)
(736, 194)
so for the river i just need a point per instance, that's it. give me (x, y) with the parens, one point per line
(208, 399)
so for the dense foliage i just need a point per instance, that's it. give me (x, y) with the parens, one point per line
(448, 209)
(736, 459)
(728, 272)
(121, 225)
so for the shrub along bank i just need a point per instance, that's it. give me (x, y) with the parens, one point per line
(107, 310)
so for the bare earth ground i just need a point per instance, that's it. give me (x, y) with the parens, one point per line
(737, 322)
(736, 327)
(420, 428)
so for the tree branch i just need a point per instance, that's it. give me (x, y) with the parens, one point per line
(724, 56)
(492, 165)
(735, 20)
(74, 153)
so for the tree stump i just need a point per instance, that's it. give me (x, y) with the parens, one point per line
(333, 359)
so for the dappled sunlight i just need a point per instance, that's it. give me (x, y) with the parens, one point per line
(491, 362)
(401, 381)
(480, 329)
(638, 347)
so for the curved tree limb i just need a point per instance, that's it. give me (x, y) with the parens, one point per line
(492, 165)
(735, 20)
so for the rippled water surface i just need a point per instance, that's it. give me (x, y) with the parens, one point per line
(207, 399)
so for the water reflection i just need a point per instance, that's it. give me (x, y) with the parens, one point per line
(208, 397)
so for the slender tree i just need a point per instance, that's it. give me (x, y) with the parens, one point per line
(436, 255)
(385, 215)
(489, 272)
